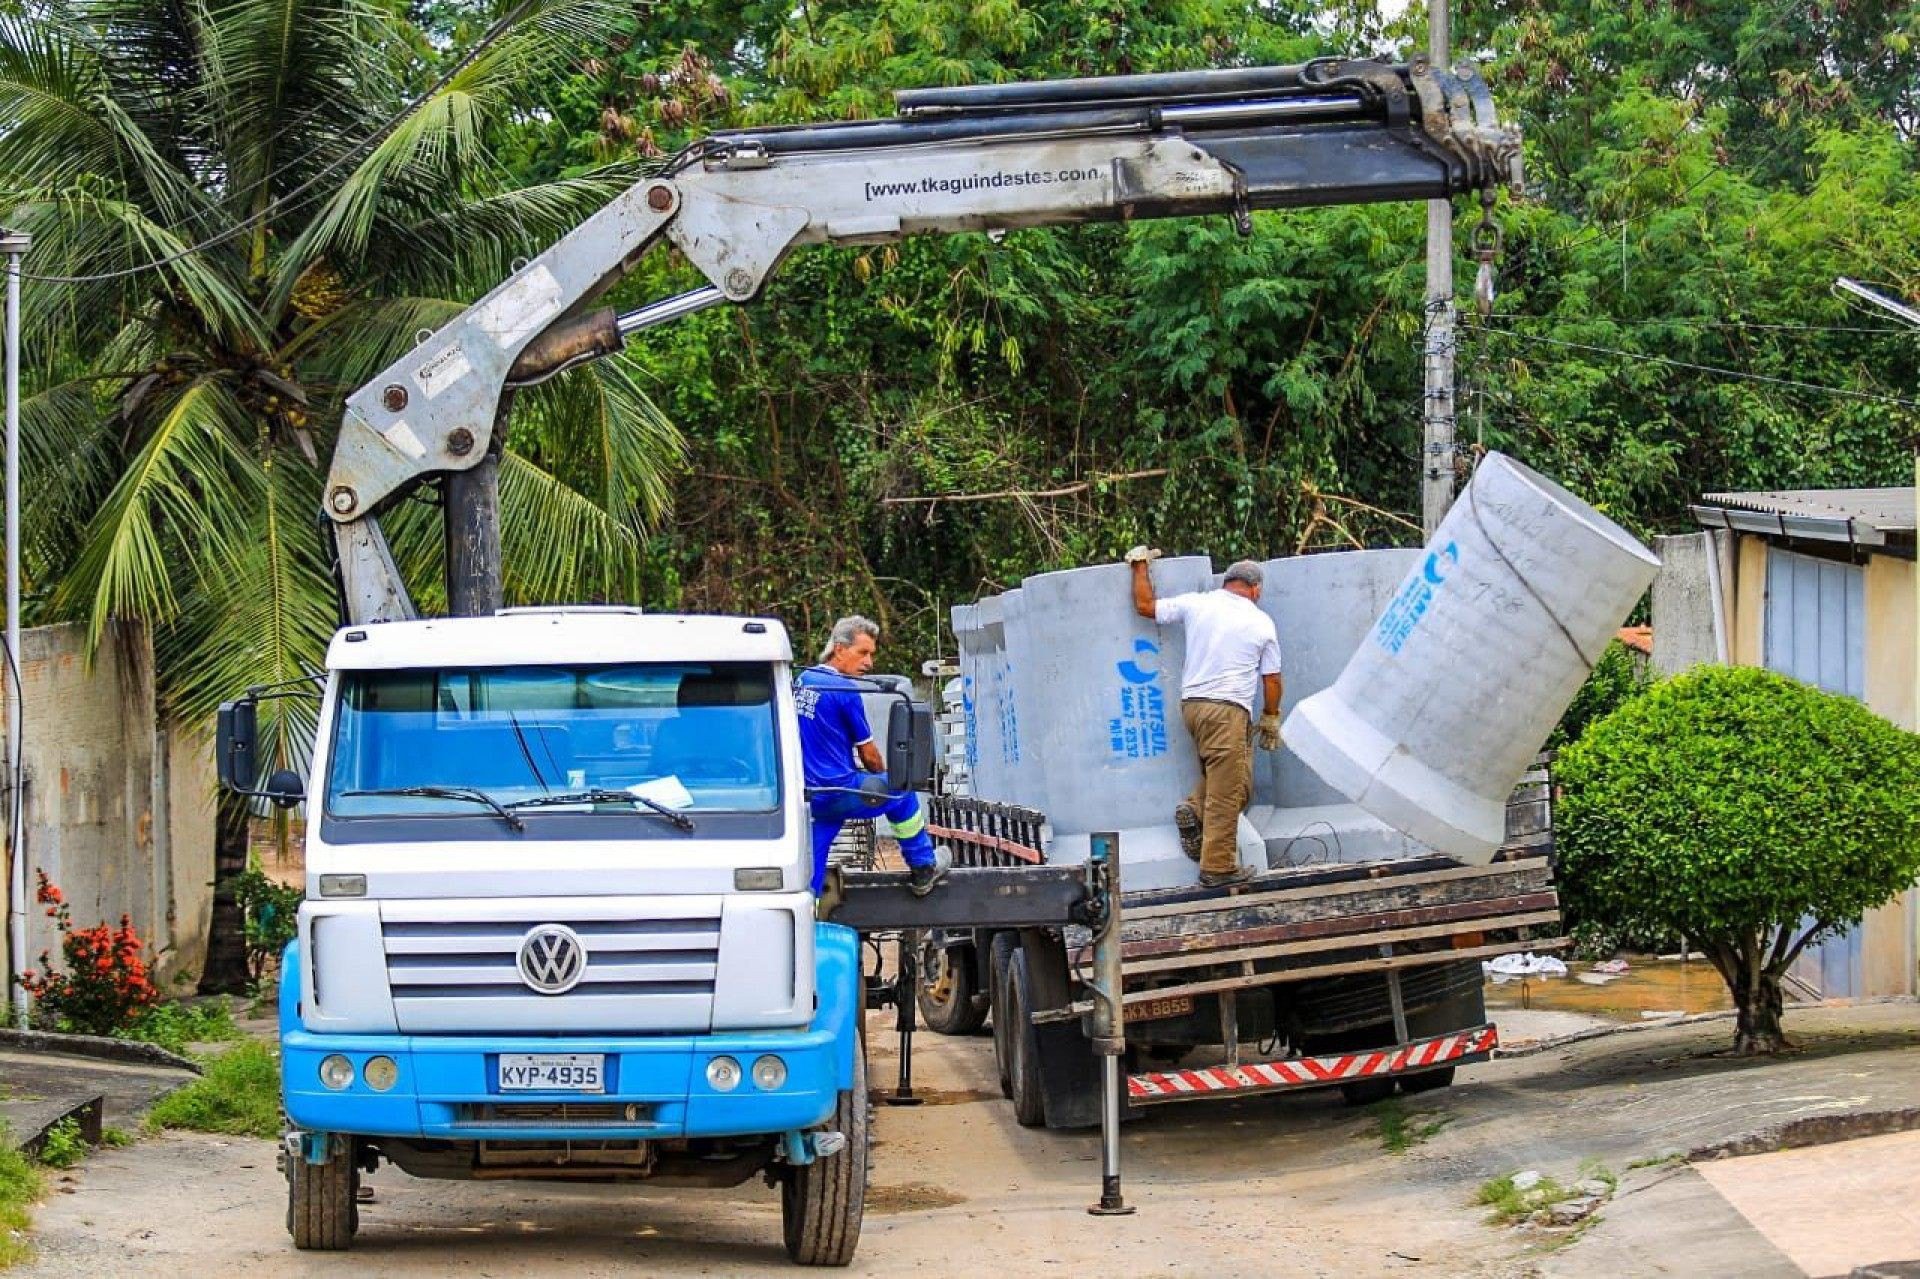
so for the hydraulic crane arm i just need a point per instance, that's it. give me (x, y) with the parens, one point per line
(982, 158)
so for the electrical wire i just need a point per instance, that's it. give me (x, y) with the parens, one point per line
(291, 199)
(1737, 374)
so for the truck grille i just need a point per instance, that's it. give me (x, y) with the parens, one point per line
(642, 975)
(552, 1114)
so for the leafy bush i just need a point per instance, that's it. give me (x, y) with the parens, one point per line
(1619, 676)
(106, 985)
(174, 1026)
(239, 1093)
(1732, 805)
(64, 1146)
(271, 910)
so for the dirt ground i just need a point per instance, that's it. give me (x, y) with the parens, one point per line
(1297, 1184)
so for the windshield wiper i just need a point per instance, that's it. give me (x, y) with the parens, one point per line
(468, 793)
(604, 796)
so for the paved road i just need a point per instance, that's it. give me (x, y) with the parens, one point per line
(1294, 1184)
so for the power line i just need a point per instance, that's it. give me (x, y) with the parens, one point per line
(287, 201)
(1737, 374)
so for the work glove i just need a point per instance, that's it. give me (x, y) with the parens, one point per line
(1269, 732)
(1142, 552)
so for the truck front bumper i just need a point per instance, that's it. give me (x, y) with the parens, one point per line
(447, 1087)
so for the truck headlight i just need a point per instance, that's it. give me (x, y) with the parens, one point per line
(769, 1073)
(381, 1073)
(336, 1072)
(724, 1074)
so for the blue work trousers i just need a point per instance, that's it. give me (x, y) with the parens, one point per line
(833, 809)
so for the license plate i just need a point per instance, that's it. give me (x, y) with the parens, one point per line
(553, 1072)
(1154, 1009)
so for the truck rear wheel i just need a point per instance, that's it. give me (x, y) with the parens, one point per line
(321, 1213)
(1023, 1047)
(822, 1203)
(947, 994)
(999, 958)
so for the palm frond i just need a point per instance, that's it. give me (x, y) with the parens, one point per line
(182, 503)
(557, 544)
(598, 432)
(67, 468)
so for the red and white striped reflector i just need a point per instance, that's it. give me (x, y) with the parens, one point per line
(1312, 1072)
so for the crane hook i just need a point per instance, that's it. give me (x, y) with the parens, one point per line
(1486, 247)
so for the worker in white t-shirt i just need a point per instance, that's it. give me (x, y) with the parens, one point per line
(1232, 652)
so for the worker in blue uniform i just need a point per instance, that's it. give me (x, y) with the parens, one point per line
(845, 773)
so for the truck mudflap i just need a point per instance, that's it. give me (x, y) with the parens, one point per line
(1440, 1051)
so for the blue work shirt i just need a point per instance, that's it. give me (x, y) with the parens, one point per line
(832, 722)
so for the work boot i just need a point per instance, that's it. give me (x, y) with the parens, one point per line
(1187, 822)
(1224, 878)
(922, 880)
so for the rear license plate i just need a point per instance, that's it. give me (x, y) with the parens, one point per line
(1155, 1009)
(553, 1072)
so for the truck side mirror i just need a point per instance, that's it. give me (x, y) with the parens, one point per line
(237, 744)
(909, 746)
(284, 788)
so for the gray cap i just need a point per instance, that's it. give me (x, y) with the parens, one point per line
(1245, 571)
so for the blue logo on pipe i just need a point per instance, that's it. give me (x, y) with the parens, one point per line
(1414, 599)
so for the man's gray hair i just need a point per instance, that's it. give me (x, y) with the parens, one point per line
(1245, 571)
(846, 630)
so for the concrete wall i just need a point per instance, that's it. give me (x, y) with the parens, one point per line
(1686, 630)
(119, 807)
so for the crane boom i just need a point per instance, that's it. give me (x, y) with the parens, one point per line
(984, 158)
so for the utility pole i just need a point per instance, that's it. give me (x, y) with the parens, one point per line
(1900, 311)
(14, 245)
(1436, 444)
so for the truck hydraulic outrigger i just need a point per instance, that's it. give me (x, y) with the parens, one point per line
(986, 158)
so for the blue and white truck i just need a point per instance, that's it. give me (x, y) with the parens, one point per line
(558, 922)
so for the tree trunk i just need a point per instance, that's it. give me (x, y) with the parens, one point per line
(1758, 1003)
(226, 969)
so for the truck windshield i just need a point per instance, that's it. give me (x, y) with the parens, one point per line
(693, 736)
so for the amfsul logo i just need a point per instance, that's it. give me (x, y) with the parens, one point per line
(553, 959)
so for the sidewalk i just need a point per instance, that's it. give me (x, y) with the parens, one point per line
(39, 1088)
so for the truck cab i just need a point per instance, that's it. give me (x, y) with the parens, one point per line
(558, 922)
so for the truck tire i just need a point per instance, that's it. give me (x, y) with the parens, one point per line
(321, 1211)
(822, 1203)
(947, 995)
(999, 959)
(1023, 1048)
(1427, 1081)
(1365, 1092)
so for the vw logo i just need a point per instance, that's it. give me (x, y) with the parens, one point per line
(553, 959)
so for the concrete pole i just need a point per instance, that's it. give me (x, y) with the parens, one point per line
(1436, 448)
(14, 244)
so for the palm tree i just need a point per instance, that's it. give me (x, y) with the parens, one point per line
(242, 210)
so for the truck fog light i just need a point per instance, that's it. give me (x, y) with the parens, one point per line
(769, 1073)
(724, 1074)
(336, 1072)
(381, 1073)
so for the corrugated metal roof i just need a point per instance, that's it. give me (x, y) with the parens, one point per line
(1867, 517)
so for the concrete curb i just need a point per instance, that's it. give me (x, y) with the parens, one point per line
(133, 1051)
(1815, 1130)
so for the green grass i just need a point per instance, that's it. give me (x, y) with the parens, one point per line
(113, 1138)
(1400, 1131)
(239, 1094)
(1673, 1159)
(1509, 1204)
(20, 1186)
(64, 1146)
(174, 1026)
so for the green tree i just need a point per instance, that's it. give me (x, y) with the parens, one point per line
(240, 213)
(1747, 812)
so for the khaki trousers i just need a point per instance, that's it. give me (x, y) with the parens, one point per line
(1222, 733)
